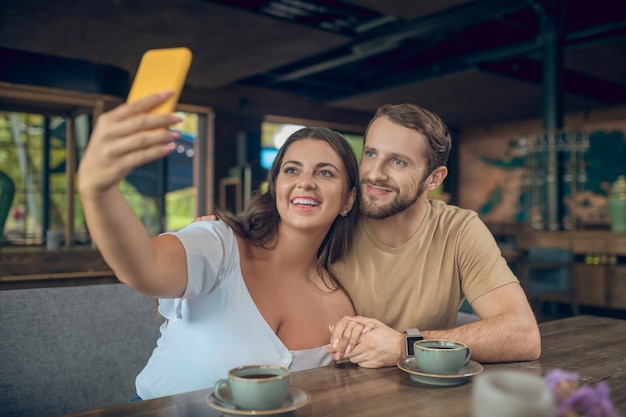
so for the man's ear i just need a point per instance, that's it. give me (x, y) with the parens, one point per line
(436, 178)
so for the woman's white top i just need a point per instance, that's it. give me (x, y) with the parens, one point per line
(215, 325)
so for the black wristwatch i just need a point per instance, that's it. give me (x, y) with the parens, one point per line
(411, 335)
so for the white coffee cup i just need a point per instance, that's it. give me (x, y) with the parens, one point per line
(511, 393)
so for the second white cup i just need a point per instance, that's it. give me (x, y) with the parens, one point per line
(510, 393)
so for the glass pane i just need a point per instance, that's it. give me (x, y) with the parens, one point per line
(180, 197)
(12, 209)
(82, 130)
(36, 166)
(169, 181)
(274, 134)
(57, 211)
(21, 140)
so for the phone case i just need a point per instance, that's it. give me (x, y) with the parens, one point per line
(159, 70)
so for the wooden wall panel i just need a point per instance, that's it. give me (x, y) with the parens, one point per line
(591, 284)
(616, 287)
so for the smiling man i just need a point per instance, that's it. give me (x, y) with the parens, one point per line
(414, 261)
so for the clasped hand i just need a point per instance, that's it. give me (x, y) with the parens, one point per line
(361, 340)
(366, 342)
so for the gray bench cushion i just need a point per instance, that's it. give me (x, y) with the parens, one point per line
(70, 349)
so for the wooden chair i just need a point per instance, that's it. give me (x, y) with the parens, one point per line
(547, 275)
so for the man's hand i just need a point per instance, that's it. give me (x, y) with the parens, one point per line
(208, 217)
(366, 342)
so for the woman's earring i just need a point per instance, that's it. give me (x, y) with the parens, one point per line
(345, 213)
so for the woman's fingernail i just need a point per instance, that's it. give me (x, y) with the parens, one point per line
(169, 147)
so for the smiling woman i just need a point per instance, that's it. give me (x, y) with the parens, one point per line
(311, 183)
(260, 276)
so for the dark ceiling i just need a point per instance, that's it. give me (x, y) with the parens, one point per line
(470, 61)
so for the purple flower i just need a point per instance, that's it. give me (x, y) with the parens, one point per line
(561, 383)
(586, 401)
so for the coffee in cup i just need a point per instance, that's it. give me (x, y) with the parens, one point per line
(255, 387)
(441, 356)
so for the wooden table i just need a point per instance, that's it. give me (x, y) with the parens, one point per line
(595, 347)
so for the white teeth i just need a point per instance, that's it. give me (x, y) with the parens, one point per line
(305, 201)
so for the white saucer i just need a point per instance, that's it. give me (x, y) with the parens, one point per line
(468, 370)
(296, 398)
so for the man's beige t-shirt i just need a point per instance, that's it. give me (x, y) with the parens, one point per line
(422, 283)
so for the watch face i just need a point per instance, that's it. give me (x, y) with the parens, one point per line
(409, 344)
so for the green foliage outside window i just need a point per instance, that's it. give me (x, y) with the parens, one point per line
(22, 159)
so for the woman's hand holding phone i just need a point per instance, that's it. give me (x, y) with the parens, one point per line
(136, 132)
(123, 139)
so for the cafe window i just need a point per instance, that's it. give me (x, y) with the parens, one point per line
(33, 157)
(274, 134)
(39, 153)
(163, 193)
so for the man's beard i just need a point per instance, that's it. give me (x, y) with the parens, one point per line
(399, 203)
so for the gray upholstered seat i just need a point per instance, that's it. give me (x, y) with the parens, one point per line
(69, 349)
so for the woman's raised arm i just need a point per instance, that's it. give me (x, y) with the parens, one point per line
(123, 139)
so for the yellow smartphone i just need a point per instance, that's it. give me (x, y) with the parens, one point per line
(160, 70)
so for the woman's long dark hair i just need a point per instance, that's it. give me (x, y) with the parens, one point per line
(259, 221)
